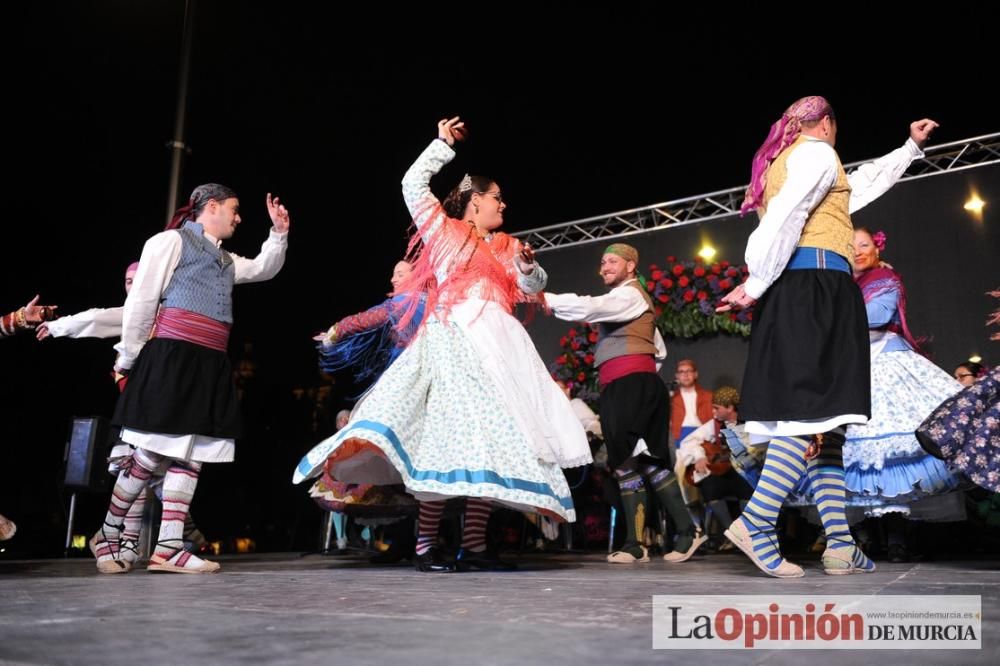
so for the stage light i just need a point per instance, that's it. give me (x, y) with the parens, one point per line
(706, 252)
(79, 541)
(975, 358)
(974, 206)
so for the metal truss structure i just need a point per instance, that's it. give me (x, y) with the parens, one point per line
(938, 160)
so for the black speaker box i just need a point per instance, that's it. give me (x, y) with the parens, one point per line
(86, 455)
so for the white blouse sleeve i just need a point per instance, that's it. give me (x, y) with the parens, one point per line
(871, 180)
(160, 256)
(420, 201)
(622, 303)
(266, 264)
(93, 323)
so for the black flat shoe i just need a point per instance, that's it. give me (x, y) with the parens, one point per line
(432, 562)
(484, 561)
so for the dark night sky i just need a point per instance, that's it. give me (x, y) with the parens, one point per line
(600, 112)
(574, 111)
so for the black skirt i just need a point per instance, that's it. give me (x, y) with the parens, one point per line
(809, 355)
(180, 388)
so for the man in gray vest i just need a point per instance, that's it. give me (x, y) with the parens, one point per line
(634, 401)
(178, 408)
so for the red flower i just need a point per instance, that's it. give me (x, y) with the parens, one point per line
(684, 281)
(716, 268)
(678, 270)
(724, 264)
(750, 316)
(663, 298)
(593, 336)
(658, 310)
(668, 283)
(671, 259)
(589, 359)
(656, 275)
(732, 316)
(725, 285)
(650, 286)
(563, 341)
(702, 295)
(574, 345)
(581, 377)
(688, 295)
(732, 272)
(699, 271)
(561, 360)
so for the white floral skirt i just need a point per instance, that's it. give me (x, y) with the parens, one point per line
(886, 469)
(442, 422)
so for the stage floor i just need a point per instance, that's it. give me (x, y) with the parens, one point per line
(558, 609)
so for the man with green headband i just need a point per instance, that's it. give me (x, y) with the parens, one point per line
(634, 401)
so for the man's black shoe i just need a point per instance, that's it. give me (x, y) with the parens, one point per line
(432, 562)
(485, 560)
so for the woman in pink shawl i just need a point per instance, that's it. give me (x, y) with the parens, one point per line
(468, 409)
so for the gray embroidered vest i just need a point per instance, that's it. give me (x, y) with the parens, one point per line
(203, 280)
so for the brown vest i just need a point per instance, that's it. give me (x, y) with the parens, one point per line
(829, 224)
(629, 337)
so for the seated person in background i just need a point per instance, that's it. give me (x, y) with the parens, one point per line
(690, 403)
(704, 459)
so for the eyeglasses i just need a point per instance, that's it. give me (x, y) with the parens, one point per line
(495, 195)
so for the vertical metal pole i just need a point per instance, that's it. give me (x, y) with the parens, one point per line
(69, 526)
(611, 529)
(149, 523)
(326, 533)
(177, 146)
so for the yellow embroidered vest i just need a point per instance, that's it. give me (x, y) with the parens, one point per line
(829, 224)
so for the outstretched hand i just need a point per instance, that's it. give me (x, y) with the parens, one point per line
(279, 214)
(920, 131)
(36, 314)
(452, 130)
(737, 299)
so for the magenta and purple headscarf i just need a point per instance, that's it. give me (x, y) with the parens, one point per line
(782, 134)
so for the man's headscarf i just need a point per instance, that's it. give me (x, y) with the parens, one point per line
(626, 252)
(201, 196)
(785, 131)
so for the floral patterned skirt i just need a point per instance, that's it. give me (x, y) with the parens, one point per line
(965, 431)
(438, 422)
(885, 467)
